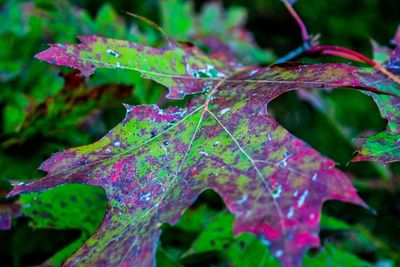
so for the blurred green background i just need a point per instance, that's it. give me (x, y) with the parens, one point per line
(44, 109)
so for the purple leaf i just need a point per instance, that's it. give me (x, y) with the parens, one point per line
(155, 163)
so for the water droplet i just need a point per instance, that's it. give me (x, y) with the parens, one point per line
(265, 241)
(283, 162)
(278, 253)
(203, 153)
(145, 196)
(165, 149)
(315, 176)
(290, 213)
(302, 198)
(242, 199)
(277, 192)
(248, 213)
(251, 73)
(113, 53)
(225, 110)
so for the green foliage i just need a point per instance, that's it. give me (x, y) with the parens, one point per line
(67, 207)
(245, 250)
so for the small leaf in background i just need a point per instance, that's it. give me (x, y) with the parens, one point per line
(384, 147)
(66, 110)
(331, 256)
(67, 207)
(246, 250)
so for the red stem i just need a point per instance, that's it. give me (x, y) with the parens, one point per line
(336, 50)
(352, 55)
(343, 52)
(303, 28)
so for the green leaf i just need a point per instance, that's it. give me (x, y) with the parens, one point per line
(66, 207)
(246, 250)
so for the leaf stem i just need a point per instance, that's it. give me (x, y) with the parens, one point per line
(347, 53)
(303, 28)
(311, 47)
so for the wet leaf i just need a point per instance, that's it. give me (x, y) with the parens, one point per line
(155, 163)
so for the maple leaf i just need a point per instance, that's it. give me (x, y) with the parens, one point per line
(155, 163)
(385, 146)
